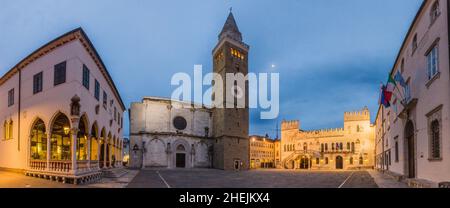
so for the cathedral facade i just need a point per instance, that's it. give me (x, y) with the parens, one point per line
(351, 147)
(167, 133)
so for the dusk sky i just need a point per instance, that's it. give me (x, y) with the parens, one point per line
(331, 54)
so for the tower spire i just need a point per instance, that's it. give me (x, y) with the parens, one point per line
(230, 28)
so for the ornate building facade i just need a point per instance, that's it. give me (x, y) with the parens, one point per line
(412, 135)
(62, 115)
(351, 147)
(162, 135)
(264, 152)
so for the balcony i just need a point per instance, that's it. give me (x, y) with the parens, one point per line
(63, 171)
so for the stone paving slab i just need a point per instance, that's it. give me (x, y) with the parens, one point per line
(18, 180)
(385, 181)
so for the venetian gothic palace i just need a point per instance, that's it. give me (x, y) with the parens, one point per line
(62, 113)
(350, 147)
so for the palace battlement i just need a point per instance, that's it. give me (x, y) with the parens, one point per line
(324, 132)
(362, 115)
(289, 125)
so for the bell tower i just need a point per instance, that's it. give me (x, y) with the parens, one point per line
(231, 122)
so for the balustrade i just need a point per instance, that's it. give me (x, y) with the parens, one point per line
(38, 164)
(60, 165)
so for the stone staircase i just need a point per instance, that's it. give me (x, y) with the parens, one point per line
(114, 173)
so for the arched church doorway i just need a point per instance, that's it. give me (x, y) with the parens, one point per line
(410, 149)
(180, 159)
(339, 163)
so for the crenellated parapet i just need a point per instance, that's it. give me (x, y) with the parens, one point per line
(362, 115)
(290, 125)
(323, 133)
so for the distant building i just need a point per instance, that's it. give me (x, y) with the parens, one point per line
(164, 135)
(263, 152)
(351, 147)
(126, 152)
(61, 113)
(413, 135)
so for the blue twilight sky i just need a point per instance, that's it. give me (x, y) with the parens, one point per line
(331, 54)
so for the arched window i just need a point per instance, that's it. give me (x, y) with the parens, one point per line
(322, 148)
(361, 161)
(332, 146)
(317, 161)
(5, 130)
(341, 146)
(82, 140)
(38, 141)
(434, 12)
(94, 142)
(351, 160)
(353, 147)
(348, 145)
(326, 146)
(60, 138)
(10, 130)
(414, 43)
(326, 160)
(305, 146)
(435, 140)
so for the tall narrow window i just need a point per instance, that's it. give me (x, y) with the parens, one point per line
(11, 97)
(97, 90)
(105, 100)
(435, 140)
(396, 151)
(402, 66)
(351, 160)
(433, 62)
(60, 73)
(434, 12)
(37, 83)
(8, 129)
(353, 147)
(414, 43)
(115, 114)
(5, 130)
(85, 77)
(361, 161)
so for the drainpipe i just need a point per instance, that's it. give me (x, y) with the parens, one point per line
(382, 139)
(19, 110)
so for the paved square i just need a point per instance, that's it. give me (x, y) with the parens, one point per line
(209, 178)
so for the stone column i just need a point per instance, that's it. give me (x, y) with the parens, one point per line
(89, 151)
(105, 155)
(48, 150)
(98, 153)
(74, 150)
